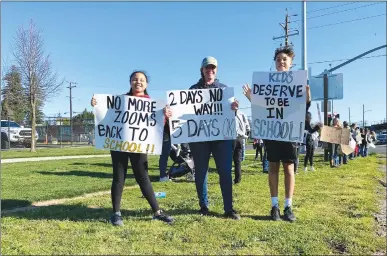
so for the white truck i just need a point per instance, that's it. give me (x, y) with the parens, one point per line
(15, 134)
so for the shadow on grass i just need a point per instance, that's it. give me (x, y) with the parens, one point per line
(256, 217)
(81, 212)
(152, 178)
(13, 203)
(109, 165)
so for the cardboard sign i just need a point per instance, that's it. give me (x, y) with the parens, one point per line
(335, 135)
(128, 124)
(278, 105)
(202, 115)
(346, 149)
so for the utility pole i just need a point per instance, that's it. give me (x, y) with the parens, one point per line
(326, 110)
(71, 110)
(363, 116)
(286, 29)
(349, 115)
(304, 55)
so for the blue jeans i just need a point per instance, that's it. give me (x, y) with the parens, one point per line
(345, 158)
(222, 152)
(163, 160)
(365, 151)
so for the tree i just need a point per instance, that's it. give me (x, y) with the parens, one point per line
(14, 103)
(35, 67)
(85, 117)
(39, 113)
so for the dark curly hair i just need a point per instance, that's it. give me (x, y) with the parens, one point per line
(131, 77)
(287, 50)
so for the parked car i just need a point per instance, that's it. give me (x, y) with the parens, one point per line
(17, 135)
(381, 138)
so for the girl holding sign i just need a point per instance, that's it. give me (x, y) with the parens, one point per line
(278, 151)
(139, 162)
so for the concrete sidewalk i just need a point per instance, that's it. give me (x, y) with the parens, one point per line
(48, 158)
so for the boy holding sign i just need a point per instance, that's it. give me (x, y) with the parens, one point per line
(139, 161)
(285, 91)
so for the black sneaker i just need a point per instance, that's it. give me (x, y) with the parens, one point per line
(275, 213)
(163, 217)
(116, 220)
(232, 215)
(204, 211)
(237, 181)
(288, 214)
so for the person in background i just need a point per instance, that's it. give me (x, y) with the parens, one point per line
(280, 151)
(139, 162)
(373, 137)
(345, 157)
(248, 130)
(309, 141)
(258, 145)
(241, 127)
(358, 142)
(334, 148)
(90, 139)
(265, 162)
(353, 136)
(368, 141)
(363, 142)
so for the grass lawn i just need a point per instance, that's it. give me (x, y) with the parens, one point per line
(334, 208)
(41, 152)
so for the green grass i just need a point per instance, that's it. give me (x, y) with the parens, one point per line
(41, 152)
(334, 208)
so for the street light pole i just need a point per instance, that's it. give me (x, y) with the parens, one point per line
(71, 111)
(365, 111)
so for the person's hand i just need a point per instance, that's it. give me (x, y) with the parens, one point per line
(235, 105)
(167, 112)
(321, 125)
(247, 91)
(308, 94)
(93, 101)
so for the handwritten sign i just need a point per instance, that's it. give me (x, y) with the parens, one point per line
(128, 124)
(335, 135)
(201, 115)
(278, 105)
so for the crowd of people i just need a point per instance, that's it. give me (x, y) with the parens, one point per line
(362, 138)
(225, 152)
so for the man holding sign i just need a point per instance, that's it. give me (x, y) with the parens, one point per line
(130, 127)
(202, 117)
(278, 117)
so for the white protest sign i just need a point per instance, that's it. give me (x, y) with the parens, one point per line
(128, 124)
(201, 115)
(278, 105)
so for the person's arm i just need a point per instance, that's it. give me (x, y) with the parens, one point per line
(247, 91)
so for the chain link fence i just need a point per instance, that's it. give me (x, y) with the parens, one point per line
(51, 132)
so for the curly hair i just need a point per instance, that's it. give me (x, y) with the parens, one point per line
(286, 50)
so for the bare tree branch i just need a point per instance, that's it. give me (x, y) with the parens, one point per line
(39, 81)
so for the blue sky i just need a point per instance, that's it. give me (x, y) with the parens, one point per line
(99, 44)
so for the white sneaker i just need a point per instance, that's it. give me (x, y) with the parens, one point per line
(164, 179)
(305, 169)
(312, 168)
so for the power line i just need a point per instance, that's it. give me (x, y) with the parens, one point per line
(325, 61)
(363, 6)
(346, 21)
(331, 7)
